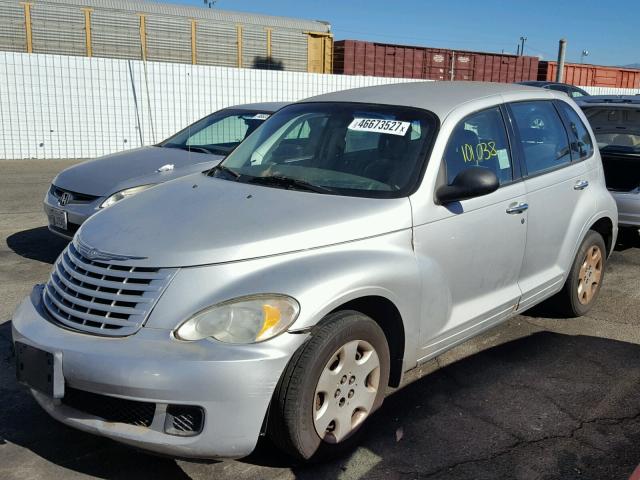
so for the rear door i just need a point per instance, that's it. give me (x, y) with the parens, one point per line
(556, 188)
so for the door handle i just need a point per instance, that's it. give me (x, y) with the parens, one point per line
(517, 208)
(581, 185)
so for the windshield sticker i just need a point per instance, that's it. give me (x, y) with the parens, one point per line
(503, 159)
(260, 116)
(393, 127)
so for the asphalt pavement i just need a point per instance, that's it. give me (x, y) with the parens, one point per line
(536, 398)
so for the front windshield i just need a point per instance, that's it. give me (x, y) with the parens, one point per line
(218, 133)
(615, 128)
(341, 148)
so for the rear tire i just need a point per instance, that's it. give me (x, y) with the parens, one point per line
(325, 391)
(585, 277)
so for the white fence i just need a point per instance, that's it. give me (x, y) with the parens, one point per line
(54, 106)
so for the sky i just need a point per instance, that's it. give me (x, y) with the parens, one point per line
(608, 30)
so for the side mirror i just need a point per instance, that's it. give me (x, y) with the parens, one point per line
(469, 183)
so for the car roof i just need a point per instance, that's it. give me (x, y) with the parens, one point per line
(265, 106)
(438, 97)
(608, 100)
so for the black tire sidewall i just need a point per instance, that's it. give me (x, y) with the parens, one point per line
(592, 238)
(335, 330)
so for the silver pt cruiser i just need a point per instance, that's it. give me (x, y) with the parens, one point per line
(350, 238)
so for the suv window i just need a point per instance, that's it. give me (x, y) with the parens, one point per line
(581, 144)
(479, 140)
(542, 134)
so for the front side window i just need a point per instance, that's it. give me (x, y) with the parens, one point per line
(544, 140)
(339, 148)
(480, 140)
(218, 133)
(581, 144)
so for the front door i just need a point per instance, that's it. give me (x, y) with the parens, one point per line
(474, 248)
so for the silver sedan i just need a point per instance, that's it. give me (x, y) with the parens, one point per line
(82, 190)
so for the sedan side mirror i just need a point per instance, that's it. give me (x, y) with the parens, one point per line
(469, 183)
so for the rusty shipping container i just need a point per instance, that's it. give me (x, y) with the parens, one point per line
(591, 75)
(355, 57)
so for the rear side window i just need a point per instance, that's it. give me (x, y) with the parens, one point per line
(480, 140)
(581, 144)
(544, 140)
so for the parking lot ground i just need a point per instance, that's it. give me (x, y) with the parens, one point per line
(536, 398)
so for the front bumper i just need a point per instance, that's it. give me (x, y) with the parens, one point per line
(233, 384)
(77, 213)
(628, 208)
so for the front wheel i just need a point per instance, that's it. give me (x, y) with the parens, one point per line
(585, 278)
(331, 386)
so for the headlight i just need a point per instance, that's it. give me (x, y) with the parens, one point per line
(116, 197)
(244, 320)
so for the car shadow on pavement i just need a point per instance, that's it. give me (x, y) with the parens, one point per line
(562, 407)
(37, 244)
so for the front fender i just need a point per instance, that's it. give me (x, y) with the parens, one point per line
(320, 279)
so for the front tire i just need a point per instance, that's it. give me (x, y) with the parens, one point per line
(585, 277)
(331, 386)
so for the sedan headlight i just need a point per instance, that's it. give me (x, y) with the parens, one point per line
(243, 320)
(128, 192)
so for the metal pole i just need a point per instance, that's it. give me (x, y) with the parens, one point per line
(522, 40)
(562, 48)
(518, 50)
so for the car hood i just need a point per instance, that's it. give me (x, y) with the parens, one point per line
(200, 220)
(112, 173)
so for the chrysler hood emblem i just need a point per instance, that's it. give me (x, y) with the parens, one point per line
(94, 254)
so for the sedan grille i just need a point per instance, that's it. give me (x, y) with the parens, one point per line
(102, 298)
(74, 197)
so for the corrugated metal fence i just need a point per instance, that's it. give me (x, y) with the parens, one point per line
(56, 106)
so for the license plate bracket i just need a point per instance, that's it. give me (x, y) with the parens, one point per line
(39, 369)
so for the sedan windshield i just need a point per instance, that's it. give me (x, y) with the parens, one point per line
(338, 148)
(218, 133)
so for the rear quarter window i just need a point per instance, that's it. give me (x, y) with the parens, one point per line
(581, 143)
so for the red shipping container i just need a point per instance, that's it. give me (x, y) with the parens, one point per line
(591, 75)
(355, 57)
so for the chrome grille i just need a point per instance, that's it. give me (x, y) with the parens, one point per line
(74, 197)
(102, 298)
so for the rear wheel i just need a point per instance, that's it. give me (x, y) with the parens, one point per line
(585, 278)
(331, 386)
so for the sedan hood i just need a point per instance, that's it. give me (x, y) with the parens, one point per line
(112, 173)
(200, 220)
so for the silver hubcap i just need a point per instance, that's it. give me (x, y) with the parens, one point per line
(346, 390)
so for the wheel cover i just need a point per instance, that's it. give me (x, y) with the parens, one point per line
(590, 275)
(346, 390)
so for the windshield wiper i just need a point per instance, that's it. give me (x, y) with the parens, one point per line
(290, 183)
(190, 148)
